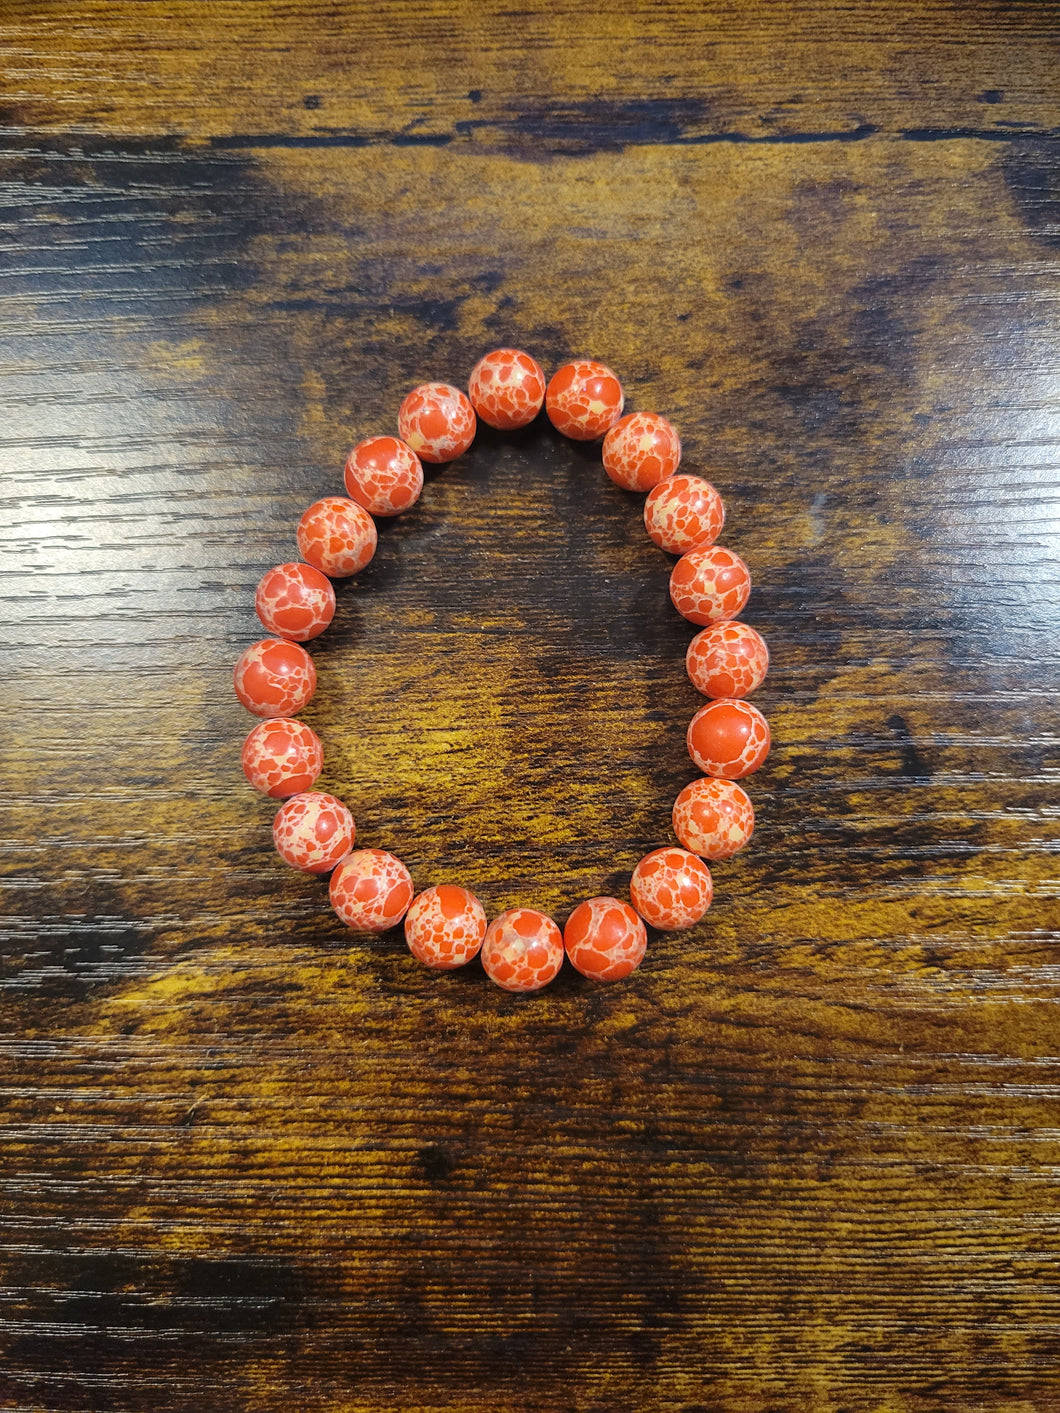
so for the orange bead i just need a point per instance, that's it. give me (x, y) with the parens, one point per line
(282, 757)
(445, 926)
(727, 660)
(522, 950)
(337, 536)
(274, 678)
(371, 890)
(605, 939)
(584, 400)
(383, 475)
(313, 831)
(295, 601)
(507, 388)
(437, 421)
(641, 450)
(710, 585)
(682, 513)
(671, 889)
(713, 818)
(729, 739)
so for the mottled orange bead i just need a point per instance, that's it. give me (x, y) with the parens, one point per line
(671, 889)
(682, 513)
(295, 601)
(507, 388)
(274, 678)
(729, 739)
(437, 422)
(727, 660)
(584, 399)
(337, 536)
(710, 585)
(641, 450)
(313, 831)
(713, 818)
(383, 475)
(605, 939)
(371, 890)
(445, 926)
(282, 757)
(522, 950)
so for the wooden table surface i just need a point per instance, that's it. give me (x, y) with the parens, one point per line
(806, 1158)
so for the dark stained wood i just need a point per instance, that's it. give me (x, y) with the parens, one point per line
(497, 75)
(806, 1159)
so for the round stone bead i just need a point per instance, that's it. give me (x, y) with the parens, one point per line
(727, 660)
(371, 890)
(274, 678)
(313, 832)
(282, 757)
(710, 585)
(507, 388)
(437, 421)
(671, 889)
(605, 939)
(337, 536)
(295, 601)
(584, 400)
(522, 950)
(728, 739)
(713, 818)
(682, 513)
(445, 926)
(641, 450)
(383, 475)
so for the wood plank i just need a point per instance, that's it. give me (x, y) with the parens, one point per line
(530, 77)
(806, 1157)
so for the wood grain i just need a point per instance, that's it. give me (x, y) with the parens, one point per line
(807, 1157)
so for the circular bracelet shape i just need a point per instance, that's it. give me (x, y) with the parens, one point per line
(371, 890)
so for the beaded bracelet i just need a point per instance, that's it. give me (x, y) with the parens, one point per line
(371, 890)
